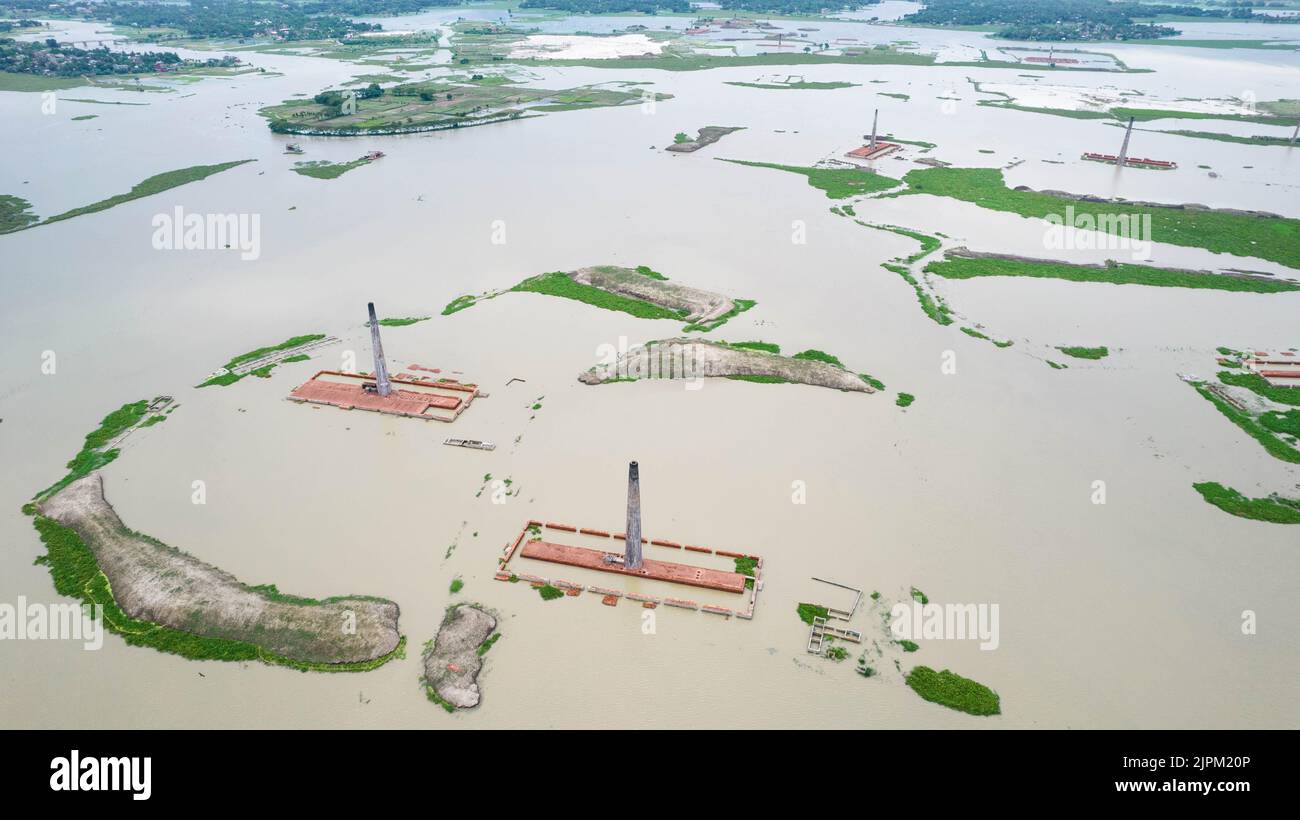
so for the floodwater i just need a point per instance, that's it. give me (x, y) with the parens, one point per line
(1123, 614)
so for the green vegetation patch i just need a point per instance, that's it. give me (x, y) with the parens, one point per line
(230, 377)
(1259, 385)
(809, 611)
(739, 306)
(904, 399)
(74, 570)
(1115, 273)
(1282, 421)
(15, 213)
(838, 183)
(805, 86)
(153, 185)
(560, 284)
(1275, 508)
(409, 320)
(324, 169)
(747, 566)
(931, 305)
(743, 377)
(876, 55)
(819, 356)
(766, 347)
(92, 455)
(1276, 447)
(456, 585)
(1274, 238)
(487, 643)
(459, 303)
(1084, 352)
(1219, 136)
(952, 690)
(549, 593)
(13, 81)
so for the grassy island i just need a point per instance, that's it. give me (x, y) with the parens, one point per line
(798, 85)
(838, 183)
(323, 169)
(952, 690)
(1274, 238)
(1085, 352)
(433, 106)
(15, 215)
(259, 362)
(687, 358)
(641, 292)
(961, 266)
(154, 595)
(1266, 428)
(1275, 509)
(453, 659)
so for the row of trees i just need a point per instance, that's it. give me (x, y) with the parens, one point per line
(225, 19)
(1065, 19)
(49, 59)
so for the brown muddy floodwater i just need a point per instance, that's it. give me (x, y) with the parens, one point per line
(1125, 614)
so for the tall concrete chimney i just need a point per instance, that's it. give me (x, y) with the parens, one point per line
(874, 119)
(1123, 149)
(632, 550)
(382, 385)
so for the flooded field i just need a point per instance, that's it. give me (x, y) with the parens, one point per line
(1122, 614)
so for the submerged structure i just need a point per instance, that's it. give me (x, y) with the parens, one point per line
(413, 396)
(1280, 369)
(741, 575)
(875, 148)
(632, 546)
(382, 385)
(1123, 160)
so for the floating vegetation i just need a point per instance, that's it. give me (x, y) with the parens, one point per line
(1085, 352)
(952, 690)
(1275, 508)
(838, 183)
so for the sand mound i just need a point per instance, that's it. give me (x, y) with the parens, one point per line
(451, 667)
(160, 584)
(703, 306)
(691, 359)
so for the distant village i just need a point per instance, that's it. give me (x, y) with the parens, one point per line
(48, 58)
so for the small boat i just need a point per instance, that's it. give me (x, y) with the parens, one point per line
(473, 444)
(375, 155)
(293, 148)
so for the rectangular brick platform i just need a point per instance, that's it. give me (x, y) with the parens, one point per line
(400, 402)
(650, 568)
